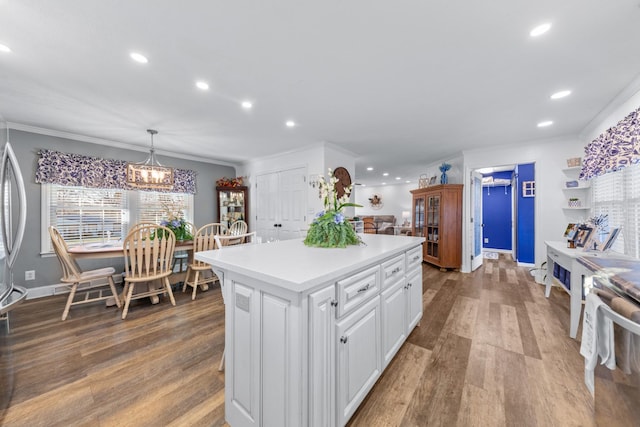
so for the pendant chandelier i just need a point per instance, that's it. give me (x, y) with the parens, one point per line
(150, 174)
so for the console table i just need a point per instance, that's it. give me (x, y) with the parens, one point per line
(308, 331)
(568, 258)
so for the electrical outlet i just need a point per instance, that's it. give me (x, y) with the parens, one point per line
(486, 240)
(30, 275)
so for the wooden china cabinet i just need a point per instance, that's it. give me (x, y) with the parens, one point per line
(437, 216)
(232, 204)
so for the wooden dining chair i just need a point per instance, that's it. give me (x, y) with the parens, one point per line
(238, 227)
(233, 240)
(148, 257)
(93, 280)
(198, 272)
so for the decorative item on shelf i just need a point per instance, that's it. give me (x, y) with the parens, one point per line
(572, 184)
(175, 221)
(444, 168)
(423, 181)
(574, 202)
(150, 174)
(375, 201)
(330, 229)
(574, 162)
(433, 180)
(229, 182)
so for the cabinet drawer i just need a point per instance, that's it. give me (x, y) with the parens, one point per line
(357, 289)
(392, 270)
(414, 258)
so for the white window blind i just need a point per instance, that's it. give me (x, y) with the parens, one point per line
(152, 206)
(617, 194)
(85, 215)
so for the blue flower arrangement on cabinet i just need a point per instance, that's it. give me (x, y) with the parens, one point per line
(444, 168)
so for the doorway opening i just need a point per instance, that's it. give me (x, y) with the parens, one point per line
(502, 213)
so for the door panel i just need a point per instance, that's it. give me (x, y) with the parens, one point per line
(476, 219)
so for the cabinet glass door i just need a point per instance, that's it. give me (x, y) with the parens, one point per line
(418, 217)
(232, 205)
(433, 225)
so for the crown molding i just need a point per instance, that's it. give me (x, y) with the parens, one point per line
(110, 143)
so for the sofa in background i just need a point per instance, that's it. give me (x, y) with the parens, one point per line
(379, 224)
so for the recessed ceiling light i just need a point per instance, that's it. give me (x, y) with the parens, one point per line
(561, 94)
(385, 174)
(138, 57)
(202, 85)
(369, 168)
(540, 29)
(384, 183)
(247, 105)
(398, 178)
(407, 182)
(545, 124)
(4, 48)
(290, 123)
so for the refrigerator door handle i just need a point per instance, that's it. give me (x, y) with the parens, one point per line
(11, 167)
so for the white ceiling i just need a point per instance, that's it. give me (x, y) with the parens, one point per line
(399, 83)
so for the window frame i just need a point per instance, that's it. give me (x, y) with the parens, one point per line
(130, 215)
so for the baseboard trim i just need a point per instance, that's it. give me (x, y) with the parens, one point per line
(59, 289)
(525, 264)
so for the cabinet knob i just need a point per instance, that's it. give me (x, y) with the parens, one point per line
(344, 339)
(334, 303)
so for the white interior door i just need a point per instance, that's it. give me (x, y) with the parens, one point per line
(476, 220)
(266, 206)
(293, 203)
(281, 203)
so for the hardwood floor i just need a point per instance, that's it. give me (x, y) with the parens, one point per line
(491, 350)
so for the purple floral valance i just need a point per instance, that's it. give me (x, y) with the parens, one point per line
(77, 170)
(615, 149)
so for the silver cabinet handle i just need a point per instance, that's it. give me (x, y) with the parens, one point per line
(415, 258)
(395, 270)
(364, 288)
(409, 285)
(344, 339)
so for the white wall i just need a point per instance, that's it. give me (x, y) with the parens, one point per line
(395, 200)
(550, 158)
(617, 110)
(316, 159)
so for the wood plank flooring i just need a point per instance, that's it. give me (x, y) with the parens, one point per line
(491, 350)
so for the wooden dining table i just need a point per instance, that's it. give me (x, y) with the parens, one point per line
(113, 249)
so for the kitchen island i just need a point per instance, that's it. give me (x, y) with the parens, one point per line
(308, 331)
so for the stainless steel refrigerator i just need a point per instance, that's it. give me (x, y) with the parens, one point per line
(13, 218)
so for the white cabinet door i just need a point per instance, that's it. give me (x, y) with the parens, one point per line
(414, 299)
(394, 320)
(359, 360)
(322, 357)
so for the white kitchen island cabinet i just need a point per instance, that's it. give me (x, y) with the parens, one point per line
(308, 331)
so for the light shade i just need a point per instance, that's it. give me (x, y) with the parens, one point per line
(150, 174)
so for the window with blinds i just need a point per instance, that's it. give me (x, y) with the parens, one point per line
(86, 215)
(617, 194)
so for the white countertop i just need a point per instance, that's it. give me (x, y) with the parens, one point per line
(292, 265)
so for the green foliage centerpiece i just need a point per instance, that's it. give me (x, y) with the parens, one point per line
(329, 228)
(175, 221)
